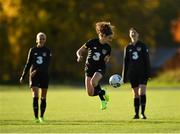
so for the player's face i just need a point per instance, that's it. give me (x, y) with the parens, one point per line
(41, 39)
(133, 34)
(108, 38)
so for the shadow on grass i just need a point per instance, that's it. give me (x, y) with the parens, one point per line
(86, 122)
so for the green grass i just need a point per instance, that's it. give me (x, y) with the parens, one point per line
(69, 109)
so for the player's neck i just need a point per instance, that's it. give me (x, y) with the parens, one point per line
(134, 41)
(40, 45)
(102, 42)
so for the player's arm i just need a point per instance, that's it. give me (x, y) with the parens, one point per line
(80, 52)
(49, 56)
(147, 62)
(107, 58)
(27, 66)
(125, 66)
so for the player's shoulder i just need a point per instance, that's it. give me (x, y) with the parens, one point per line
(94, 40)
(47, 48)
(142, 44)
(107, 46)
(129, 45)
(32, 49)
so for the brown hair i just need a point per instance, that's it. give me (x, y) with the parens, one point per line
(104, 28)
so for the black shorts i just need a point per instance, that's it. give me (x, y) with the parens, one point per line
(40, 80)
(137, 80)
(89, 71)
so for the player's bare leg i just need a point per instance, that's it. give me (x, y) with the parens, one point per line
(43, 104)
(93, 88)
(89, 87)
(136, 102)
(98, 91)
(143, 100)
(35, 95)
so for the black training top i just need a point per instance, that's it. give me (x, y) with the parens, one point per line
(96, 53)
(38, 59)
(136, 60)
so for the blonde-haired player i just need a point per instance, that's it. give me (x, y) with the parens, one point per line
(38, 62)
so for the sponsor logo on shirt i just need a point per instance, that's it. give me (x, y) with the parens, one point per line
(104, 51)
(138, 48)
(44, 54)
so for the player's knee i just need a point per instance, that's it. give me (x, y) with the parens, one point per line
(90, 93)
(94, 83)
(143, 93)
(35, 94)
(136, 95)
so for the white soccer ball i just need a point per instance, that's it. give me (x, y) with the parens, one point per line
(115, 80)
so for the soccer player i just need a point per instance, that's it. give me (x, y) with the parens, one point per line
(38, 62)
(98, 55)
(136, 69)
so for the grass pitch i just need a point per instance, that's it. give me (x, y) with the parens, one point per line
(69, 109)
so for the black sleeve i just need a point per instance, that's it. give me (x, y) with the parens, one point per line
(109, 51)
(88, 44)
(28, 64)
(147, 62)
(50, 56)
(125, 66)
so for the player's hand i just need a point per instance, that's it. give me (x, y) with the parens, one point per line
(79, 58)
(121, 82)
(33, 73)
(21, 80)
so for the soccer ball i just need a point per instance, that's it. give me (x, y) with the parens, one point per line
(115, 80)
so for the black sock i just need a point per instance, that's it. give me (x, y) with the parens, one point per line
(96, 91)
(43, 106)
(35, 106)
(143, 103)
(136, 105)
(99, 92)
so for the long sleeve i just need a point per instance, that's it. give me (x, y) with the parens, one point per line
(147, 62)
(125, 66)
(28, 64)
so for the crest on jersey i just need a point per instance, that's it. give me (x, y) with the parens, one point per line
(35, 53)
(94, 47)
(130, 50)
(44, 54)
(99, 69)
(138, 48)
(104, 51)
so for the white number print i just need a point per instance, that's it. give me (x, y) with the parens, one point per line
(135, 55)
(39, 60)
(96, 56)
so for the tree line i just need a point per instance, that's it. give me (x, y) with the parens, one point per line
(69, 24)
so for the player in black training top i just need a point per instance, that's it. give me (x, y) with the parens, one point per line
(38, 62)
(99, 52)
(136, 69)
